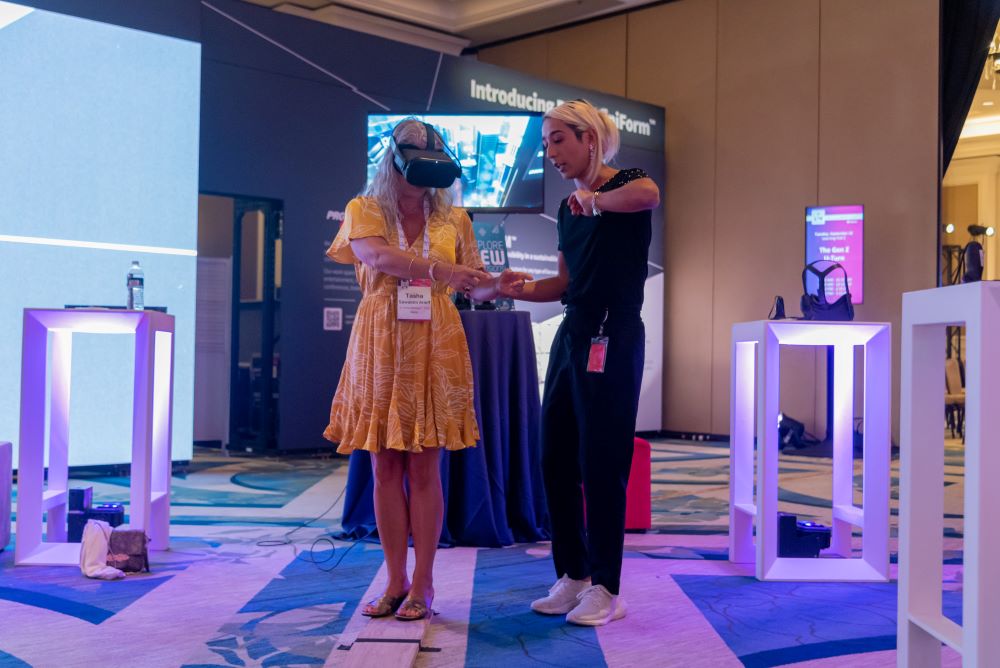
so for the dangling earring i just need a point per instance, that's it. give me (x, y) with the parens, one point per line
(591, 152)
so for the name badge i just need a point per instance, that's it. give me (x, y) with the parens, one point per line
(413, 300)
(598, 354)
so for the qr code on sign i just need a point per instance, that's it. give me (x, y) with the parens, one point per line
(333, 319)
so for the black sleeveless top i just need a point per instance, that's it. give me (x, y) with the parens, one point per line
(606, 255)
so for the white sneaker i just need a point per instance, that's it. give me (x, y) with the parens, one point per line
(597, 607)
(562, 596)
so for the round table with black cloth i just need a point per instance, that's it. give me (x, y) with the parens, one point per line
(493, 494)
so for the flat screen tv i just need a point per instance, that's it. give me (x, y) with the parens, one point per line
(837, 234)
(500, 153)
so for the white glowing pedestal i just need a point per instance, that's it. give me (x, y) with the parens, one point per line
(149, 500)
(922, 626)
(755, 374)
(6, 456)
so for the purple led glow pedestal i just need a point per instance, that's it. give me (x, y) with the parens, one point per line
(755, 372)
(149, 498)
(922, 626)
(6, 455)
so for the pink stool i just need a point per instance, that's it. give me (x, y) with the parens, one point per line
(638, 501)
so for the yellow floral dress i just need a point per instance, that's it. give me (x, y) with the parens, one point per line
(405, 385)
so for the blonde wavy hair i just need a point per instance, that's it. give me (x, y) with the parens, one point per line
(385, 187)
(582, 116)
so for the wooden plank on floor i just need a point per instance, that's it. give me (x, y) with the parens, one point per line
(662, 621)
(386, 642)
(447, 639)
(384, 628)
(444, 641)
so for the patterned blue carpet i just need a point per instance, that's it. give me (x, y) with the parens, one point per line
(761, 622)
(229, 593)
(500, 621)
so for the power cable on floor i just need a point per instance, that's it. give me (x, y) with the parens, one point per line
(286, 539)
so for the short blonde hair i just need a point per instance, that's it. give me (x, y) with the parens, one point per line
(582, 116)
(384, 188)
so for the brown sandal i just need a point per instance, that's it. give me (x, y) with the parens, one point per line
(418, 608)
(383, 606)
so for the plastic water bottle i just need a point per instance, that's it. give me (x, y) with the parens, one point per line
(134, 281)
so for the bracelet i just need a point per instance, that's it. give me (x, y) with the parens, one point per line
(430, 269)
(451, 274)
(594, 209)
(409, 268)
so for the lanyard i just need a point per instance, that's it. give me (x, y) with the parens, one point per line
(427, 235)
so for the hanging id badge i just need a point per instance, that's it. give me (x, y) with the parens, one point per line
(598, 350)
(413, 297)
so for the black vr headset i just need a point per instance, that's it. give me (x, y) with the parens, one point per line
(427, 167)
(815, 307)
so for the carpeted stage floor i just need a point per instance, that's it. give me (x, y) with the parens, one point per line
(227, 595)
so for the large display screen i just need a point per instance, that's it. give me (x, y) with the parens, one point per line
(836, 234)
(500, 153)
(99, 138)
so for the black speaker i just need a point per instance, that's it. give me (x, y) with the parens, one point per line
(112, 513)
(76, 520)
(80, 498)
(801, 539)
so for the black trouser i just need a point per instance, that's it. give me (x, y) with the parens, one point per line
(588, 423)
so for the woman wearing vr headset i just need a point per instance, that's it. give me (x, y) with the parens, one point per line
(406, 389)
(595, 365)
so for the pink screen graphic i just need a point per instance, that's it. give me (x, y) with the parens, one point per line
(836, 233)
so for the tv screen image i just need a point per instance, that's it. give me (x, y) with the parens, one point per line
(500, 154)
(836, 234)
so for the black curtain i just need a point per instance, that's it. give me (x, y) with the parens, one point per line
(967, 26)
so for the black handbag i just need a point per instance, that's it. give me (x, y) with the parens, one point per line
(815, 307)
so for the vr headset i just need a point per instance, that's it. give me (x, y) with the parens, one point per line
(815, 307)
(427, 166)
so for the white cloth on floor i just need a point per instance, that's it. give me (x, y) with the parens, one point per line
(94, 552)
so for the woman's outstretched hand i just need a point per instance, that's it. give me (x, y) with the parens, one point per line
(581, 202)
(511, 283)
(464, 279)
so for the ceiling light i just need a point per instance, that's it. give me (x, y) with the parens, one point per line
(981, 127)
(949, 228)
(988, 103)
